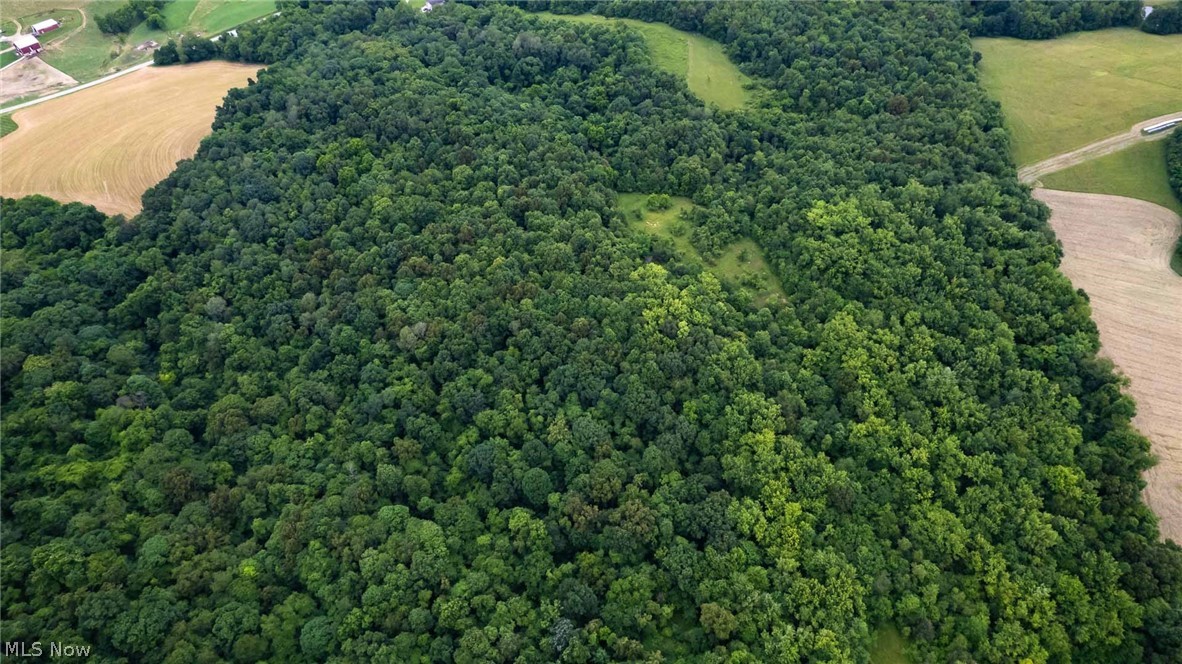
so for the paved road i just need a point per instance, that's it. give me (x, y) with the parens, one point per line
(76, 88)
(1033, 172)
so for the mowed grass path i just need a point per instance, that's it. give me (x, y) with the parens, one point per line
(106, 145)
(707, 70)
(1137, 172)
(1061, 94)
(742, 264)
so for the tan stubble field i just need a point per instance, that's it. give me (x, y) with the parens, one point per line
(108, 144)
(1118, 250)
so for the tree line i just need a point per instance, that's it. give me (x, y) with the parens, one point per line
(132, 13)
(1032, 19)
(1174, 175)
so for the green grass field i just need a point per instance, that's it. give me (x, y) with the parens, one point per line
(71, 20)
(8, 58)
(707, 71)
(742, 264)
(1060, 94)
(86, 55)
(1137, 172)
(214, 16)
(7, 125)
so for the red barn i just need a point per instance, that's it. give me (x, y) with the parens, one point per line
(45, 26)
(26, 45)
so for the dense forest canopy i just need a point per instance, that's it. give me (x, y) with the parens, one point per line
(382, 374)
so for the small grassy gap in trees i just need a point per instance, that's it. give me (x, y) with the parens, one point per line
(740, 264)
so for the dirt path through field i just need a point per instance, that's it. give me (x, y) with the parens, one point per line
(76, 31)
(1033, 172)
(107, 144)
(29, 76)
(1118, 250)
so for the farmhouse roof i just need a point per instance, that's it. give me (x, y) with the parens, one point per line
(24, 41)
(45, 25)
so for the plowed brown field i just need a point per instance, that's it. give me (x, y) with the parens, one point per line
(106, 145)
(1118, 250)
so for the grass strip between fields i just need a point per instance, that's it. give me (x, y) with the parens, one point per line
(7, 125)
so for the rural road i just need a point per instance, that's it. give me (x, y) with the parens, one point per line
(76, 88)
(1031, 173)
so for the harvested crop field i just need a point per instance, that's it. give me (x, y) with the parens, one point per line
(106, 145)
(1118, 250)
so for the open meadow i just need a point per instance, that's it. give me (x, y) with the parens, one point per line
(1052, 90)
(703, 64)
(106, 145)
(1074, 106)
(1118, 251)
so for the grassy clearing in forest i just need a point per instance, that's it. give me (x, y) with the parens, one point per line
(707, 70)
(1137, 172)
(888, 647)
(1061, 94)
(741, 264)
